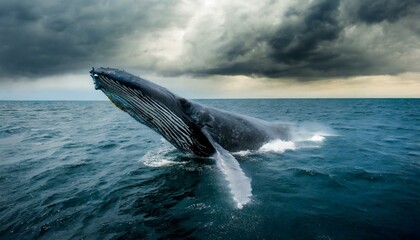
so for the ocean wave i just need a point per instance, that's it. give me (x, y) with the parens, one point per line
(58, 179)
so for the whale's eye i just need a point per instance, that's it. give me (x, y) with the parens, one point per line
(183, 101)
(185, 104)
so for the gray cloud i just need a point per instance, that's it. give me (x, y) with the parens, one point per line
(39, 38)
(377, 11)
(327, 39)
(302, 39)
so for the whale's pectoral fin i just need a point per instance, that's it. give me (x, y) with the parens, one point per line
(239, 183)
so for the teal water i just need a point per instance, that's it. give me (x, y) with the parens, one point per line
(86, 170)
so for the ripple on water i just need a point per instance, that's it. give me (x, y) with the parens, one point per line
(364, 175)
(316, 175)
(80, 170)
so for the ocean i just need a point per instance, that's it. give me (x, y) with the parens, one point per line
(86, 170)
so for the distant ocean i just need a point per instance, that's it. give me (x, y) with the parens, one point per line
(86, 170)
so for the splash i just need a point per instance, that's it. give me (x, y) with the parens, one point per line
(239, 183)
(160, 163)
(278, 146)
(159, 158)
(304, 135)
(312, 132)
(317, 138)
(243, 153)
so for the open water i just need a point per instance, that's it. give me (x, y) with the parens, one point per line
(86, 170)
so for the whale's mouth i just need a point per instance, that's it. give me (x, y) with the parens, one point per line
(99, 80)
(96, 82)
(95, 78)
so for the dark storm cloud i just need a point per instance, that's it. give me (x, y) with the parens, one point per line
(376, 11)
(40, 38)
(311, 42)
(298, 47)
(299, 41)
(308, 40)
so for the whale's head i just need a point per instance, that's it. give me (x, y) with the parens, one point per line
(154, 106)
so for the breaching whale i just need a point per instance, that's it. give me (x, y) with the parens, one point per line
(189, 126)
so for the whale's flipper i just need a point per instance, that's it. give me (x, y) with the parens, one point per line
(239, 183)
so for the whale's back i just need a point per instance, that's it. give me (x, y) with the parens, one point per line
(237, 132)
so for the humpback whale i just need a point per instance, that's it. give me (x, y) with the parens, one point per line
(190, 126)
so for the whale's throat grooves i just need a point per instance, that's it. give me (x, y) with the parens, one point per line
(158, 117)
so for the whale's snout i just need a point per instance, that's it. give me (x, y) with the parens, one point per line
(103, 78)
(96, 82)
(95, 78)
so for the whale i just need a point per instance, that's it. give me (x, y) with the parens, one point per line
(191, 127)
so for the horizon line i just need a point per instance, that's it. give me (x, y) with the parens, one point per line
(251, 98)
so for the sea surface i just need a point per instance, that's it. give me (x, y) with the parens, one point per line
(86, 170)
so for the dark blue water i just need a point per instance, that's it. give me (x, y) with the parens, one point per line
(72, 170)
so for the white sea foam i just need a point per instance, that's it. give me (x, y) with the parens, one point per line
(243, 153)
(301, 140)
(278, 146)
(314, 132)
(160, 163)
(159, 158)
(317, 138)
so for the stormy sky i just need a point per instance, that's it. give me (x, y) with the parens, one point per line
(213, 48)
